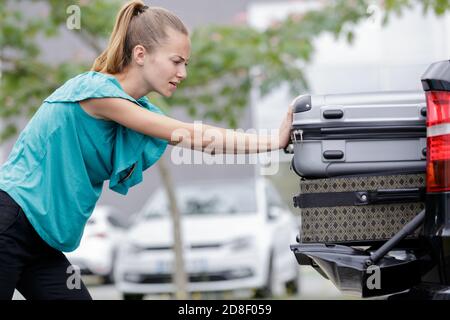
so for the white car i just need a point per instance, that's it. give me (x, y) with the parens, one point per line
(236, 235)
(98, 247)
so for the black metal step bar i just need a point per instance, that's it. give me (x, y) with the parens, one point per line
(351, 269)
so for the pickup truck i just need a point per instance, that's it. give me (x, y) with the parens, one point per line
(405, 270)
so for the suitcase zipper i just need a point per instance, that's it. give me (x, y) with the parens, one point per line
(317, 132)
(295, 133)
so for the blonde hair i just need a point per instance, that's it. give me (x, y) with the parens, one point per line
(136, 24)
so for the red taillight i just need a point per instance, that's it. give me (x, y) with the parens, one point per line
(438, 141)
(438, 107)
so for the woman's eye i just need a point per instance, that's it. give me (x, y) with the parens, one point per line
(178, 62)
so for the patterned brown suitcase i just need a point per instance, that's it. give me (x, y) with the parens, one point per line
(358, 209)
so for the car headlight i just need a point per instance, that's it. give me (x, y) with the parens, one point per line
(241, 243)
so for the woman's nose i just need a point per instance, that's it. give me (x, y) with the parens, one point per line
(182, 73)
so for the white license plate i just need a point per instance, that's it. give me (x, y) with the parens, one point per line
(197, 265)
(191, 266)
(162, 266)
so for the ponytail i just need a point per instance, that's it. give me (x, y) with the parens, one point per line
(135, 24)
(112, 60)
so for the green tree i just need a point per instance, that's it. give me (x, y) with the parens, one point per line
(226, 61)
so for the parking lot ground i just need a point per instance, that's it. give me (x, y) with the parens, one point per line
(312, 287)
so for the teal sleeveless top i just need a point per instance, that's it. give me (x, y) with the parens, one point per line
(59, 162)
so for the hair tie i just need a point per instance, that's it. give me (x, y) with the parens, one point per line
(141, 10)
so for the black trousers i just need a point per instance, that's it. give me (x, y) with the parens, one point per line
(29, 264)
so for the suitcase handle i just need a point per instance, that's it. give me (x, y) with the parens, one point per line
(359, 198)
(394, 195)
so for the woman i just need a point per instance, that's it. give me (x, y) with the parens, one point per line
(98, 126)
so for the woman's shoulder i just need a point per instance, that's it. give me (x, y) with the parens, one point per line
(90, 84)
(89, 79)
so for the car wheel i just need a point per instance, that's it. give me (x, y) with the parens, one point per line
(132, 296)
(267, 290)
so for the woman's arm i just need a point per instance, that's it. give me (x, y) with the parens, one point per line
(197, 136)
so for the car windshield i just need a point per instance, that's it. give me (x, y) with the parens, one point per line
(206, 199)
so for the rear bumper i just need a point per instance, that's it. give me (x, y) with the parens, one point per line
(424, 291)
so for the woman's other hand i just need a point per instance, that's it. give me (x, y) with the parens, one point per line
(285, 128)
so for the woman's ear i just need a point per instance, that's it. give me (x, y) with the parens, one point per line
(139, 54)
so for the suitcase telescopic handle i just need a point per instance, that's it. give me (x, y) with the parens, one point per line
(392, 195)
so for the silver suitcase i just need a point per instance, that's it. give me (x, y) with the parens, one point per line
(347, 134)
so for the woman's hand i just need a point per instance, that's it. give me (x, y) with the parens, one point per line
(285, 128)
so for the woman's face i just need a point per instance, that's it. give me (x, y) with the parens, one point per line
(165, 67)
